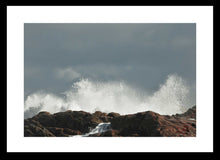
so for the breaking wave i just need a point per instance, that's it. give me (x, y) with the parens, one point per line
(171, 97)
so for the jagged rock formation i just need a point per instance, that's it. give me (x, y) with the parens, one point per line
(145, 124)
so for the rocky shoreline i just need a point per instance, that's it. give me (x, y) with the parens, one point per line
(142, 124)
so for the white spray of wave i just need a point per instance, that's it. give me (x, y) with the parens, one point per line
(171, 98)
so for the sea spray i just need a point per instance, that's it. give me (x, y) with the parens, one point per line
(171, 97)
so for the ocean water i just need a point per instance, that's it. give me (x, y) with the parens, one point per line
(173, 96)
(100, 128)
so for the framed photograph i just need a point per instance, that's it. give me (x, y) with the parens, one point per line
(122, 77)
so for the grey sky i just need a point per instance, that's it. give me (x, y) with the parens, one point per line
(141, 54)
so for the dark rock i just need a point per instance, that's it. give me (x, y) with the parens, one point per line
(142, 124)
(102, 116)
(110, 133)
(63, 132)
(113, 115)
(62, 123)
(33, 128)
(46, 119)
(190, 113)
(76, 120)
(151, 124)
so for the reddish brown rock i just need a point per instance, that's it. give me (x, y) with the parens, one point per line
(151, 124)
(143, 124)
(113, 115)
(110, 133)
(33, 128)
(46, 119)
(76, 120)
(62, 123)
(190, 113)
(63, 132)
(102, 116)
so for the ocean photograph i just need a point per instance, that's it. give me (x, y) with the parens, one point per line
(109, 80)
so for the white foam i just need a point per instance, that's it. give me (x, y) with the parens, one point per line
(87, 95)
(100, 128)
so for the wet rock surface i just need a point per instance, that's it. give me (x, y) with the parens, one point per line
(142, 124)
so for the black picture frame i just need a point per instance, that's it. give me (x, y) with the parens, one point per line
(60, 155)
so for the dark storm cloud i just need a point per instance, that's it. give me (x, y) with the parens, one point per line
(141, 54)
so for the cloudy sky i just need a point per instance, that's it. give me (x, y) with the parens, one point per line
(142, 55)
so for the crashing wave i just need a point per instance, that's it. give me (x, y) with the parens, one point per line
(100, 128)
(172, 97)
